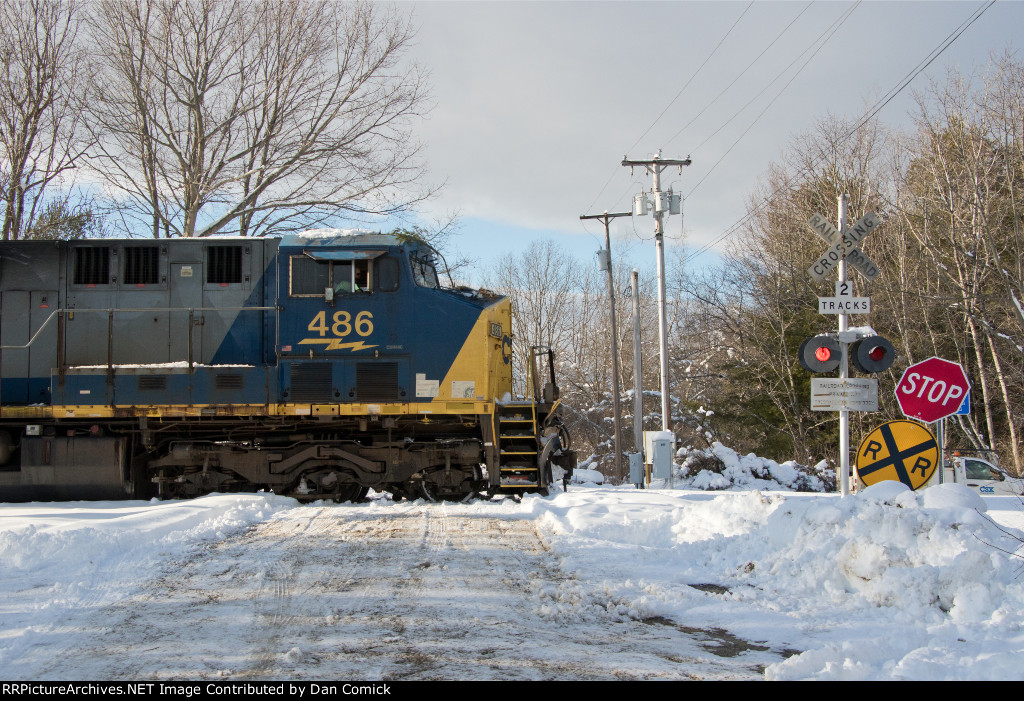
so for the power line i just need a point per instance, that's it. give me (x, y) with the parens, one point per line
(695, 73)
(829, 31)
(738, 76)
(818, 41)
(777, 96)
(868, 115)
(678, 94)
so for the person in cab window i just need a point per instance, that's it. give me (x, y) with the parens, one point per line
(342, 278)
(362, 276)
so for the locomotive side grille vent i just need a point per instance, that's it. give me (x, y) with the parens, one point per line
(152, 382)
(377, 382)
(224, 264)
(311, 382)
(227, 381)
(92, 265)
(141, 265)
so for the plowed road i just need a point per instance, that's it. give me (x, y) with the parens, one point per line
(325, 592)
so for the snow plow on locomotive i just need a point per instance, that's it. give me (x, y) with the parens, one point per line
(317, 365)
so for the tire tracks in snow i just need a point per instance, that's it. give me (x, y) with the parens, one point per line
(415, 591)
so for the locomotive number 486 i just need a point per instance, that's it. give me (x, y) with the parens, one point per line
(343, 324)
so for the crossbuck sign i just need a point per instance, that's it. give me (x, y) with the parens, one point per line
(843, 245)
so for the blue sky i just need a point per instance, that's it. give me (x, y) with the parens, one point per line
(536, 103)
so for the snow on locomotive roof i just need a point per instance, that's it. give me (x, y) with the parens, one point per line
(350, 237)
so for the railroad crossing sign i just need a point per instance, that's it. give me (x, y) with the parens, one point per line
(844, 245)
(901, 451)
(932, 389)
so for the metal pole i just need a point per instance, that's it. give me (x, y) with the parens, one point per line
(940, 435)
(659, 242)
(616, 408)
(656, 165)
(844, 372)
(638, 387)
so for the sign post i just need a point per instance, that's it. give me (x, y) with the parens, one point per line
(845, 394)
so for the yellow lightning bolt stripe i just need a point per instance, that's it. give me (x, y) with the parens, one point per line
(336, 344)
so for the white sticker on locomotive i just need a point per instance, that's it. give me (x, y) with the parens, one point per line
(463, 389)
(425, 387)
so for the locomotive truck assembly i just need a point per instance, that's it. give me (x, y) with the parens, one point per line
(317, 365)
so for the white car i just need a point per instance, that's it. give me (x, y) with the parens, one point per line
(983, 477)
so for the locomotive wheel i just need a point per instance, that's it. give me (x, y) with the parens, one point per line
(140, 486)
(351, 492)
(430, 492)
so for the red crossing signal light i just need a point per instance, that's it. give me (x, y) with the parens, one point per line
(872, 354)
(820, 354)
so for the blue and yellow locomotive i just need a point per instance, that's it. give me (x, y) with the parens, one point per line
(317, 365)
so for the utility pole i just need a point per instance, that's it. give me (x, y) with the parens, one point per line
(607, 265)
(638, 386)
(664, 203)
(636, 458)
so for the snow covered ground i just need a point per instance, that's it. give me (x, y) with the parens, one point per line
(885, 584)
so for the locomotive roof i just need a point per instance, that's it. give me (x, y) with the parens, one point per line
(312, 237)
(342, 237)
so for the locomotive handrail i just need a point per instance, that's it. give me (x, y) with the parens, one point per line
(108, 310)
(60, 313)
(35, 335)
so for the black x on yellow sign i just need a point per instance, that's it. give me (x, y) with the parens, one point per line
(903, 451)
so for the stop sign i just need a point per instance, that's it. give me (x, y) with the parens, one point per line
(932, 389)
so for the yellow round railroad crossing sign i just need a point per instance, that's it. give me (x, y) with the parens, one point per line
(902, 451)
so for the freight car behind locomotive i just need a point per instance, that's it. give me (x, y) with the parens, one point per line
(317, 365)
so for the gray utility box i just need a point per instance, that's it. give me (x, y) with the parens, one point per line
(662, 444)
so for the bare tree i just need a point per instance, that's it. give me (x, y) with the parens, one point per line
(40, 131)
(962, 207)
(544, 285)
(254, 116)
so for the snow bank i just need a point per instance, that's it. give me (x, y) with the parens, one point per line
(887, 584)
(72, 556)
(720, 468)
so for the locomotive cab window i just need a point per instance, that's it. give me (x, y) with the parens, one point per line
(423, 271)
(309, 278)
(312, 277)
(387, 274)
(351, 276)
